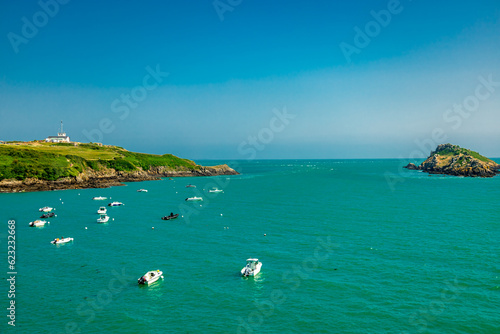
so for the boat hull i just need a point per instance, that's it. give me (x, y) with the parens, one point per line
(150, 277)
(170, 217)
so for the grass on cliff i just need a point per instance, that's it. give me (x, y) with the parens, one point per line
(456, 150)
(50, 161)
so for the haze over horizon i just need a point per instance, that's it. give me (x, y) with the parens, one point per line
(252, 79)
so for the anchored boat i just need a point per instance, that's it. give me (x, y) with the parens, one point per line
(63, 240)
(171, 216)
(194, 199)
(150, 277)
(38, 223)
(252, 268)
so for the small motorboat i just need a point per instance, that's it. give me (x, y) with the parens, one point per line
(38, 223)
(142, 190)
(62, 240)
(115, 204)
(252, 268)
(48, 215)
(215, 190)
(190, 186)
(102, 210)
(99, 198)
(46, 209)
(171, 216)
(150, 277)
(103, 219)
(194, 199)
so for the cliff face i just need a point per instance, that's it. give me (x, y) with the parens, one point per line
(108, 177)
(453, 160)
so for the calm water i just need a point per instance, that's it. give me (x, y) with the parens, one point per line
(348, 246)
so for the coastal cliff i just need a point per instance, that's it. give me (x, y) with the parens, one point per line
(453, 160)
(36, 166)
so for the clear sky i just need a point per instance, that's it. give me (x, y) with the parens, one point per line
(253, 78)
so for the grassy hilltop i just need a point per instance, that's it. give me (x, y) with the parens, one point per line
(52, 161)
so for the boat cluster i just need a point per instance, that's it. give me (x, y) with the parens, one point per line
(47, 213)
(252, 267)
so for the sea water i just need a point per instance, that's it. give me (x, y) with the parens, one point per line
(347, 246)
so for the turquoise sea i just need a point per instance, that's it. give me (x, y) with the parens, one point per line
(347, 246)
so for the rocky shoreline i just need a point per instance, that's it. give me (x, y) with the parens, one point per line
(451, 159)
(109, 178)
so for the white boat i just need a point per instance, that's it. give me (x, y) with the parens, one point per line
(115, 204)
(150, 277)
(142, 190)
(194, 199)
(99, 198)
(190, 186)
(46, 209)
(58, 241)
(103, 219)
(252, 268)
(215, 190)
(38, 223)
(102, 210)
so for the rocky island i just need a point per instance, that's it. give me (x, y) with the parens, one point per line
(39, 166)
(453, 160)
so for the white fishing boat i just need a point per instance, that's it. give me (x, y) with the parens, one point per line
(252, 268)
(102, 210)
(115, 204)
(142, 190)
(150, 277)
(103, 219)
(38, 223)
(194, 199)
(215, 190)
(99, 198)
(58, 241)
(46, 209)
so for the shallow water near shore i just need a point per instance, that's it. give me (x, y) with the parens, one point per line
(347, 246)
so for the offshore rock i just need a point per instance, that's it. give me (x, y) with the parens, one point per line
(453, 160)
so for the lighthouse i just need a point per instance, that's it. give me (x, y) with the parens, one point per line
(60, 138)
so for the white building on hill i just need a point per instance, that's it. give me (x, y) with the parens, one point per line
(60, 138)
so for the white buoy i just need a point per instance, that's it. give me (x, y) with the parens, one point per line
(62, 202)
(221, 214)
(85, 227)
(113, 219)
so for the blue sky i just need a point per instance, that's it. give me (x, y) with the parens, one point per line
(234, 66)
